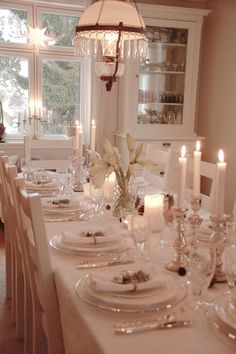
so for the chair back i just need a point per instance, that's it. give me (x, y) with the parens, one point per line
(45, 306)
(54, 147)
(208, 175)
(165, 174)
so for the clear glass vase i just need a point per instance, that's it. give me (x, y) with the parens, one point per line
(124, 199)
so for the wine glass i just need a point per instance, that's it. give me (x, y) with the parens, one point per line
(64, 183)
(140, 233)
(201, 262)
(96, 196)
(229, 265)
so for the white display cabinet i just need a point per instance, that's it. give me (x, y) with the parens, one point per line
(157, 97)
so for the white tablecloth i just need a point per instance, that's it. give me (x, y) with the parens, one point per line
(89, 330)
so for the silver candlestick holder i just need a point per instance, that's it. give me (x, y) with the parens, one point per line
(78, 161)
(195, 219)
(180, 243)
(218, 238)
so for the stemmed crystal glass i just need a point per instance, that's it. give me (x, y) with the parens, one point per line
(96, 196)
(229, 265)
(64, 183)
(200, 266)
(140, 233)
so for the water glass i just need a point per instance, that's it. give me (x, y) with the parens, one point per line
(65, 183)
(96, 196)
(201, 262)
(229, 265)
(140, 233)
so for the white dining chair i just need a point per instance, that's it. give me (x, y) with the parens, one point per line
(165, 174)
(18, 279)
(9, 253)
(46, 317)
(208, 176)
(55, 147)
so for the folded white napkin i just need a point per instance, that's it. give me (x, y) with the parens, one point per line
(74, 238)
(48, 185)
(106, 283)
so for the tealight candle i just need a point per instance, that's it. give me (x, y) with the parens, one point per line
(86, 188)
(153, 211)
(109, 186)
(220, 185)
(196, 169)
(182, 178)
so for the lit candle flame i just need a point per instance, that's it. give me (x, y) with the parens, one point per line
(221, 155)
(198, 145)
(183, 151)
(93, 123)
(77, 123)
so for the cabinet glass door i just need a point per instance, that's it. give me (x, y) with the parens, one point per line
(162, 77)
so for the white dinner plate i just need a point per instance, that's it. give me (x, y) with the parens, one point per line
(93, 250)
(154, 299)
(49, 207)
(222, 316)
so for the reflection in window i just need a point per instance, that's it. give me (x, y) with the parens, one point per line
(61, 92)
(13, 26)
(14, 85)
(60, 28)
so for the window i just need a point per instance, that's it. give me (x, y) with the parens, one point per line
(14, 88)
(51, 74)
(61, 91)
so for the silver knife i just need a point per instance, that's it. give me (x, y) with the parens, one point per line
(150, 325)
(92, 264)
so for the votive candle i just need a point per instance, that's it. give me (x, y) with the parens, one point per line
(153, 211)
(109, 186)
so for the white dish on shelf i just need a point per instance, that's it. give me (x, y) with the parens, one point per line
(154, 299)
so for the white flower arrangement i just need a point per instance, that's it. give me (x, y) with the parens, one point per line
(111, 161)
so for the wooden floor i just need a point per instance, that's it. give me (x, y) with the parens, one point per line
(9, 344)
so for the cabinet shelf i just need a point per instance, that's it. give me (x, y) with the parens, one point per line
(167, 44)
(160, 103)
(159, 72)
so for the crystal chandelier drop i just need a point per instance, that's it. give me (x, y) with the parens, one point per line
(115, 30)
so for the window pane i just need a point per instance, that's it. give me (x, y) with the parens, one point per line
(13, 26)
(60, 28)
(61, 92)
(14, 85)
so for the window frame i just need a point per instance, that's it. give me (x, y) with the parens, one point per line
(27, 50)
(29, 10)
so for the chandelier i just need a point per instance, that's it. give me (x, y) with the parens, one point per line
(113, 29)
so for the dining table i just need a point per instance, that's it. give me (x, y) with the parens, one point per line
(90, 328)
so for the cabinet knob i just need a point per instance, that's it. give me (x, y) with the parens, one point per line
(162, 173)
(166, 144)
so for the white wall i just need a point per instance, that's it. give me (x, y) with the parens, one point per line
(216, 117)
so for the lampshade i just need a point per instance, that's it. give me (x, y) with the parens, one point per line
(115, 28)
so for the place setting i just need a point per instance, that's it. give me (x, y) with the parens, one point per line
(95, 244)
(43, 183)
(134, 288)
